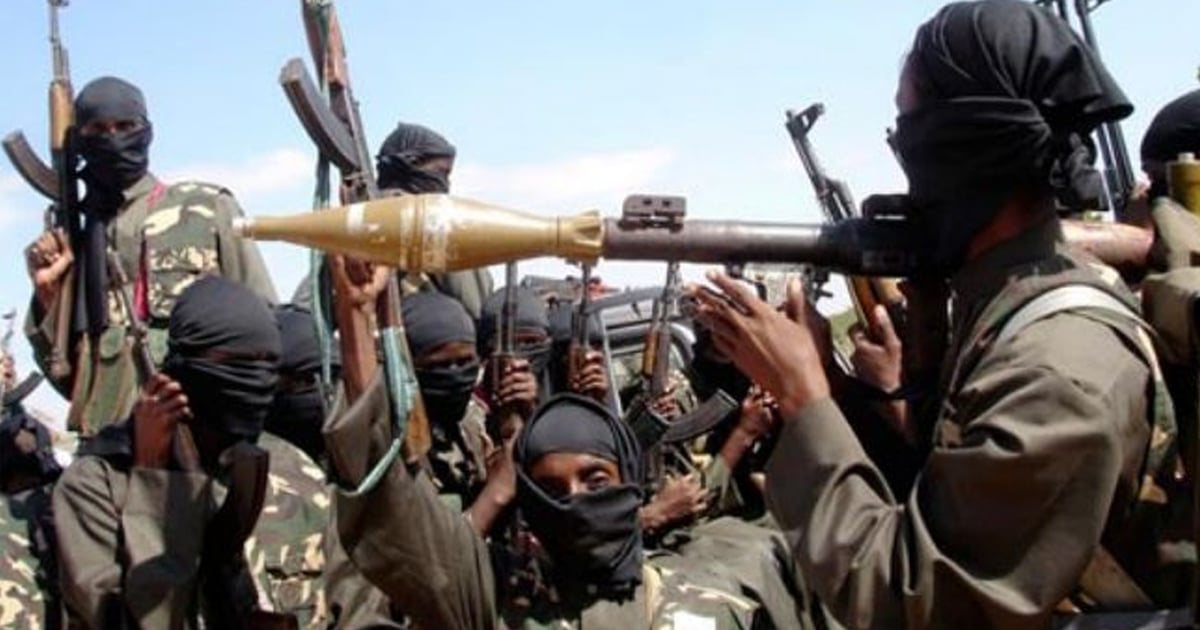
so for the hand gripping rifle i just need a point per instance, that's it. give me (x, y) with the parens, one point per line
(59, 184)
(577, 351)
(653, 431)
(329, 114)
(505, 421)
(838, 205)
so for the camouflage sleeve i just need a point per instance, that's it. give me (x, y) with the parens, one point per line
(240, 258)
(424, 556)
(39, 330)
(1019, 488)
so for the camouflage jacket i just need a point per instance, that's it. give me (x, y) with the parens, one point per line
(286, 550)
(165, 237)
(432, 564)
(29, 593)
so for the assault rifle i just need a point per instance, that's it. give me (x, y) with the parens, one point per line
(1119, 177)
(57, 183)
(329, 114)
(653, 431)
(838, 205)
(10, 397)
(580, 340)
(506, 420)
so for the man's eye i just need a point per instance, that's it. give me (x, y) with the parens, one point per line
(597, 480)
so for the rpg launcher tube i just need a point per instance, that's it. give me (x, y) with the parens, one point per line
(1183, 181)
(441, 233)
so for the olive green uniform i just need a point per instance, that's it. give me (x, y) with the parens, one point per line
(1034, 450)
(169, 236)
(428, 559)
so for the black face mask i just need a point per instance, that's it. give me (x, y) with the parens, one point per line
(297, 417)
(446, 391)
(234, 398)
(538, 355)
(398, 172)
(117, 161)
(593, 538)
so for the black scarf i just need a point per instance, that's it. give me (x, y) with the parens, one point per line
(113, 163)
(223, 347)
(531, 318)
(432, 320)
(1008, 94)
(299, 407)
(1174, 130)
(401, 160)
(594, 538)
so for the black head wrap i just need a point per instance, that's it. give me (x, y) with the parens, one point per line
(113, 162)
(402, 158)
(432, 320)
(594, 536)
(26, 452)
(1007, 94)
(531, 318)
(1174, 130)
(223, 347)
(299, 408)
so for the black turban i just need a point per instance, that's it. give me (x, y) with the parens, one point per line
(1174, 130)
(595, 536)
(113, 163)
(1007, 94)
(401, 160)
(300, 406)
(223, 347)
(433, 319)
(531, 316)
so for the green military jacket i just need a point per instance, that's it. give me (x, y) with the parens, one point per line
(1036, 453)
(429, 560)
(286, 550)
(28, 568)
(165, 237)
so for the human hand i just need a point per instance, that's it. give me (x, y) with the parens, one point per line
(592, 377)
(517, 387)
(785, 353)
(877, 351)
(47, 260)
(156, 415)
(8, 372)
(759, 415)
(666, 405)
(678, 499)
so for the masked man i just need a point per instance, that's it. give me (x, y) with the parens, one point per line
(165, 236)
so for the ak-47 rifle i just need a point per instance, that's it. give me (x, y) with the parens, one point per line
(580, 339)
(1119, 177)
(329, 114)
(57, 183)
(505, 422)
(10, 397)
(838, 205)
(659, 435)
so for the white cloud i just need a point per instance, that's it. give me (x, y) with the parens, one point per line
(553, 185)
(277, 171)
(15, 201)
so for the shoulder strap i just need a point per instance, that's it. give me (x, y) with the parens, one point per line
(1066, 298)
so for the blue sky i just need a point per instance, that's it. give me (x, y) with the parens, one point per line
(555, 107)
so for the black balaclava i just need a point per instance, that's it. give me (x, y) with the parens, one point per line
(1174, 130)
(531, 318)
(401, 160)
(1007, 93)
(299, 408)
(562, 318)
(26, 452)
(112, 164)
(432, 320)
(594, 538)
(223, 347)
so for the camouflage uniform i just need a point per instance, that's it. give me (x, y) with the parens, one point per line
(285, 551)
(28, 570)
(165, 237)
(430, 561)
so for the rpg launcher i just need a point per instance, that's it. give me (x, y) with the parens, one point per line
(441, 233)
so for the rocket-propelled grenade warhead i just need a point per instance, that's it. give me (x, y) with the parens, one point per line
(433, 232)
